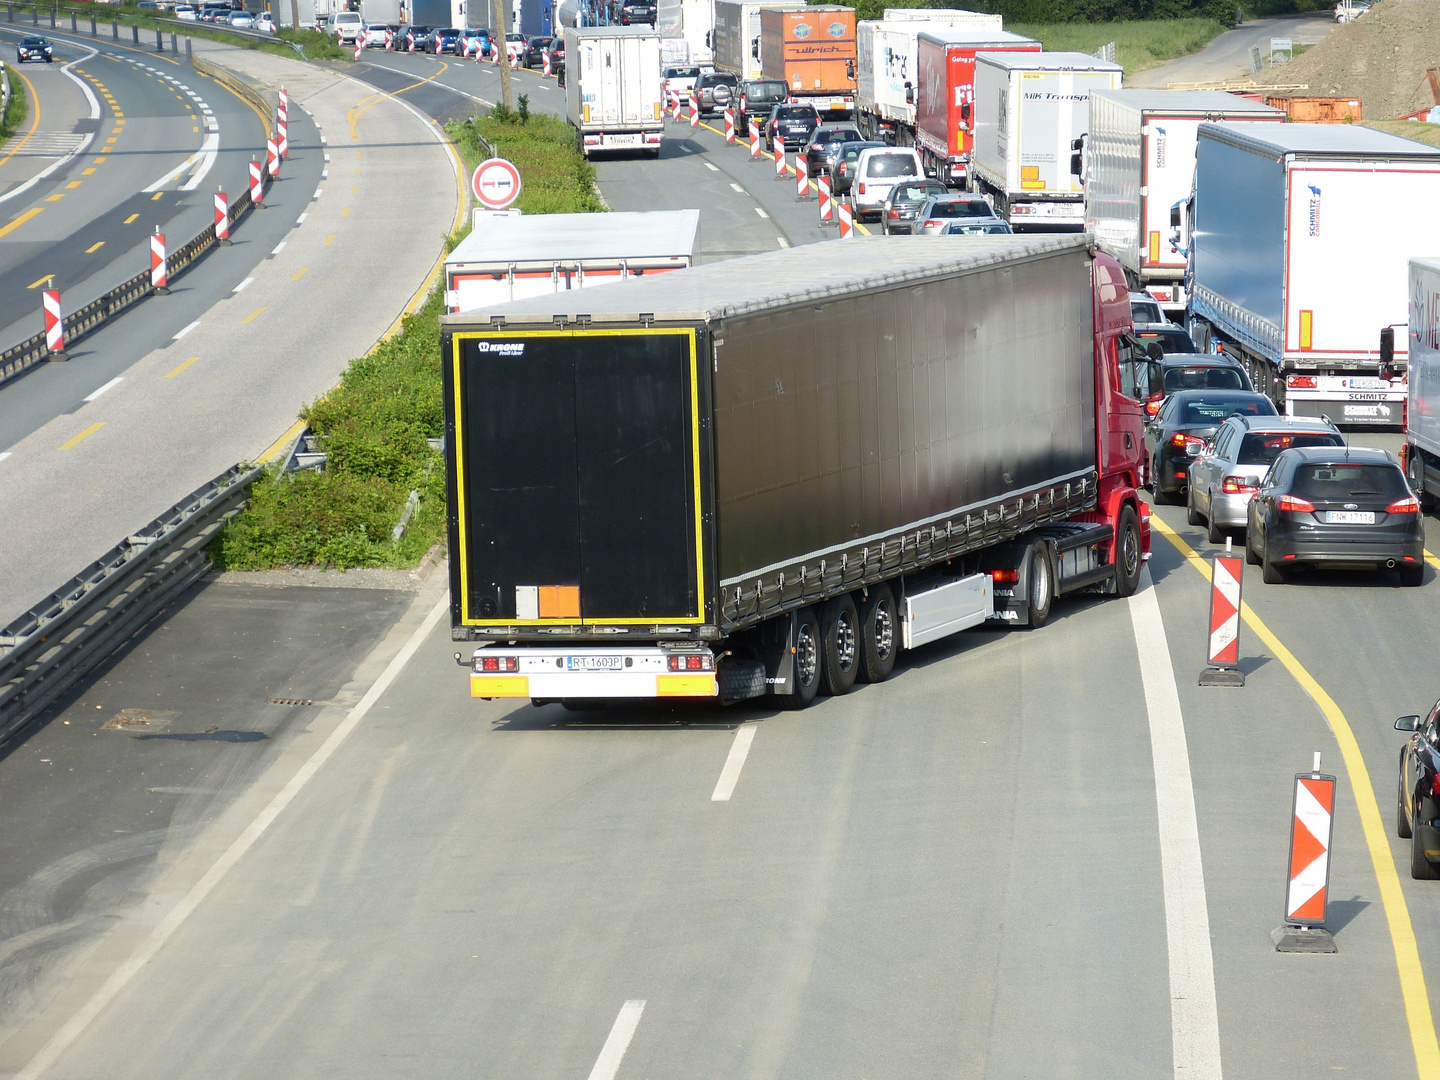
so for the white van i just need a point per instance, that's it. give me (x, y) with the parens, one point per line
(877, 170)
(346, 25)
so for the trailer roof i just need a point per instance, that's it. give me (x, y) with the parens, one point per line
(614, 31)
(968, 35)
(564, 237)
(1185, 102)
(1048, 61)
(811, 273)
(1318, 140)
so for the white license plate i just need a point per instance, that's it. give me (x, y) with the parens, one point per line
(1350, 517)
(622, 140)
(594, 663)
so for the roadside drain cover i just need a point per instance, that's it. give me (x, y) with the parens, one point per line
(291, 701)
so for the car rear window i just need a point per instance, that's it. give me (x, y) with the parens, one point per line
(1172, 341)
(981, 228)
(1349, 481)
(682, 73)
(961, 208)
(1215, 410)
(836, 135)
(913, 192)
(765, 91)
(795, 112)
(1206, 378)
(891, 165)
(1261, 448)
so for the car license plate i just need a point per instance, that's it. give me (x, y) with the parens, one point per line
(622, 140)
(594, 663)
(1350, 517)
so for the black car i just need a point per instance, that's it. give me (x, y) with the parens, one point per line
(419, 34)
(717, 91)
(757, 98)
(1342, 507)
(1191, 371)
(634, 11)
(1417, 798)
(536, 47)
(824, 145)
(844, 176)
(34, 48)
(897, 213)
(1170, 338)
(1186, 420)
(791, 125)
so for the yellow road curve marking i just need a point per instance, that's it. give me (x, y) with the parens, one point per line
(157, 196)
(56, 197)
(83, 435)
(88, 172)
(131, 218)
(182, 367)
(328, 240)
(39, 281)
(94, 248)
(16, 222)
(254, 314)
(359, 108)
(300, 273)
(1392, 897)
(73, 184)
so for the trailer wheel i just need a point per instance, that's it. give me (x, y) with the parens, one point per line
(1039, 584)
(806, 681)
(879, 635)
(840, 645)
(1128, 556)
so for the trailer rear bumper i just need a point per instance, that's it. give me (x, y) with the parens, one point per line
(642, 671)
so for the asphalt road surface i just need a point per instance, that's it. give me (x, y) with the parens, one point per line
(1228, 56)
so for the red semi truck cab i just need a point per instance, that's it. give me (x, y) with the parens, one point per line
(944, 109)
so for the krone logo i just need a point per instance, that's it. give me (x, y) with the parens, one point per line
(501, 348)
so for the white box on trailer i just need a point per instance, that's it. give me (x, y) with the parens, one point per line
(1424, 405)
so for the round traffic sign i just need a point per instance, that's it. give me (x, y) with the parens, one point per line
(496, 183)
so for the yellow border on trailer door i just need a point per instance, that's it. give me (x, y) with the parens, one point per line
(491, 335)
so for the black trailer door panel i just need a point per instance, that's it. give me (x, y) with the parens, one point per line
(576, 477)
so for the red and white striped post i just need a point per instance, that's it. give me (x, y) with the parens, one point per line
(1312, 830)
(282, 136)
(827, 207)
(159, 267)
(514, 59)
(257, 185)
(222, 218)
(272, 158)
(695, 110)
(495, 47)
(802, 176)
(754, 141)
(847, 221)
(359, 43)
(54, 323)
(729, 125)
(674, 105)
(546, 58)
(389, 40)
(284, 102)
(1223, 651)
(779, 145)
(479, 50)
(410, 38)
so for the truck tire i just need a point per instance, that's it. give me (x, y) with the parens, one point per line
(1402, 817)
(879, 635)
(1129, 559)
(839, 645)
(1039, 584)
(806, 682)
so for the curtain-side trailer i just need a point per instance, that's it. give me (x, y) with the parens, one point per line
(1292, 271)
(775, 473)
(1139, 161)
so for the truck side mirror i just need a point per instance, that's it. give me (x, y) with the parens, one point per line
(965, 111)
(850, 69)
(1155, 351)
(1175, 216)
(1077, 165)
(1387, 353)
(909, 94)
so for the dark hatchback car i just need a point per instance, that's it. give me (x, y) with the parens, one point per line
(844, 176)
(897, 212)
(536, 46)
(1178, 434)
(1170, 338)
(1339, 507)
(791, 125)
(34, 48)
(632, 12)
(418, 34)
(824, 146)
(757, 98)
(1417, 799)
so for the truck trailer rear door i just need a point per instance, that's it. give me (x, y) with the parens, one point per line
(577, 477)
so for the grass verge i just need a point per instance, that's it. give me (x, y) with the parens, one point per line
(1139, 43)
(16, 114)
(1407, 129)
(376, 424)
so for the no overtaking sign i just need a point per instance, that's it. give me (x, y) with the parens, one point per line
(496, 183)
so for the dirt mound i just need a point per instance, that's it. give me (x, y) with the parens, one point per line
(1381, 58)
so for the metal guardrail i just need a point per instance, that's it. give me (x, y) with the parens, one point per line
(55, 644)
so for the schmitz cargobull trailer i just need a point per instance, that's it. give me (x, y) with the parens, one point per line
(773, 474)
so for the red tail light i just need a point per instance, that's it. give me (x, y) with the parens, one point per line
(499, 663)
(1301, 382)
(1240, 485)
(1152, 405)
(701, 662)
(1435, 783)
(1404, 506)
(1005, 577)
(1295, 506)
(1181, 441)
(862, 187)
(894, 214)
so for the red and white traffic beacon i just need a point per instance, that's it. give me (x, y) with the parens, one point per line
(1223, 651)
(1307, 886)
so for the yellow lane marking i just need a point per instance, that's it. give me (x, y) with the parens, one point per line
(101, 160)
(1431, 559)
(56, 197)
(281, 443)
(359, 108)
(354, 188)
(345, 211)
(34, 123)
(131, 218)
(252, 315)
(83, 435)
(182, 367)
(157, 196)
(328, 239)
(300, 273)
(194, 129)
(39, 281)
(119, 114)
(1397, 913)
(73, 184)
(94, 248)
(15, 223)
(88, 172)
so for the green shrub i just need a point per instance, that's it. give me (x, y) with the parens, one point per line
(14, 118)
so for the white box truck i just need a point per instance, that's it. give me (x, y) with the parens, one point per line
(1029, 108)
(1422, 417)
(510, 258)
(888, 67)
(1296, 268)
(1139, 162)
(613, 90)
(736, 36)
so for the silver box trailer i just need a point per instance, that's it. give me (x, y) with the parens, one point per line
(613, 91)
(1139, 163)
(1422, 426)
(509, 258)
(736, 39)
(1295, 269)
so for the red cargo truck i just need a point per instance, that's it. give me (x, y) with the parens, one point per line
(944, 126)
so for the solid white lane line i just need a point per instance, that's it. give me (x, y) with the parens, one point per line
(761, 212)
(278, 248)
(207, 153)
(4, 454)
(108, 386)
(76, 1025)
(243, 285)
(185, 331)
(782, 241)
(1194, 1022)
(712, 168)
(730, 774)
(611, 1054)
(737, 187)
